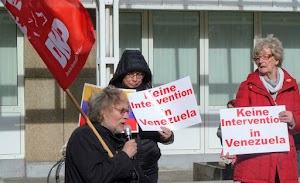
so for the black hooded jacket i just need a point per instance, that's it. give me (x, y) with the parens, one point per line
(148, 151)
(132, 60)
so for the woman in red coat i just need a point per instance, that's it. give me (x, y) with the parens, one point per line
(270, 85)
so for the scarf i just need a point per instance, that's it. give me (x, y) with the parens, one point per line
(273, 86)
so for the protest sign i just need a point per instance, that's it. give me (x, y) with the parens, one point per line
(61, 31)
(250, 130)
(172, 105)
(89, 90)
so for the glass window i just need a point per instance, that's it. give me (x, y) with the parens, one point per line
(130, 31)
(230, 44)
(176, 47)
(286, 26)
(8, 61)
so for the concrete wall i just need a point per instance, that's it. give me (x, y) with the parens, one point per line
(50, 116)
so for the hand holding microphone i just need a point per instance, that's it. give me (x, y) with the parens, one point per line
(130, 147)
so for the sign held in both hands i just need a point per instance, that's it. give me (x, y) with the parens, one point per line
(250, 130)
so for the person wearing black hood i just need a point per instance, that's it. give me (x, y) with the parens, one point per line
(133, 72)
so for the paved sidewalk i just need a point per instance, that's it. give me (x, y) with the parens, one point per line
(165, 176)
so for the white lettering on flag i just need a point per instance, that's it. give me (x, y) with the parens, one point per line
(57, 42)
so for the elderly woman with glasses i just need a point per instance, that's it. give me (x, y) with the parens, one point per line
(270, 85)
(133, 72)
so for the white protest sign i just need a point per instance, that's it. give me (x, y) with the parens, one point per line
(172, 105)
(250, 130)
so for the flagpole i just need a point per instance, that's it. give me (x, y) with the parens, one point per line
(89, 123)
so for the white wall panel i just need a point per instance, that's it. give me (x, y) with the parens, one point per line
(10, 133)
(213, 144)
(186, 140)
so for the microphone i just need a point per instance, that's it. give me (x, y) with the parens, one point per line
(127, 130)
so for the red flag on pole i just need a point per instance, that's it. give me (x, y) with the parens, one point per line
(61, 31)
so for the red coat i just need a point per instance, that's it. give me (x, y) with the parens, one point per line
(261, 168)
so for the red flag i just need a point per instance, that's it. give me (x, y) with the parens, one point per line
(61, 31)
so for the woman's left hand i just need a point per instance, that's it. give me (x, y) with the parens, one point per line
(287, 117)
(165, 133)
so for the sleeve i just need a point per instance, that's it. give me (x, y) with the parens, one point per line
(296, 111)
(155, 136)
(168, 141)
(242, 96)
(219, 132)
(93, 163)
(152, 135)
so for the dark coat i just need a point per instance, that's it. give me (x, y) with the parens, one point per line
(88, 162)
(297, 141)
(261, 168)
(148, 151)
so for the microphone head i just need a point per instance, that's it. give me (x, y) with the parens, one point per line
(127, 130)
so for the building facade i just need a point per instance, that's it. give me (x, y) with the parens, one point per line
(210, 41)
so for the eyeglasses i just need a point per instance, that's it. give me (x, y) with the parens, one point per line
(263, 57)
(122, 111)
(139, 75)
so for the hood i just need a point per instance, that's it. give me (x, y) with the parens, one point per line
(132, 60)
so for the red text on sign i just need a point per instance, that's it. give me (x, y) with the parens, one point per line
(255, 142)
(253, 112)
(174, 119)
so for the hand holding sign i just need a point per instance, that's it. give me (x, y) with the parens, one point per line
(253, 130)
(172, 105)
(287, 117)
(165, 133)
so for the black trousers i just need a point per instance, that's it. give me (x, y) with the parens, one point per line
(228, 172)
